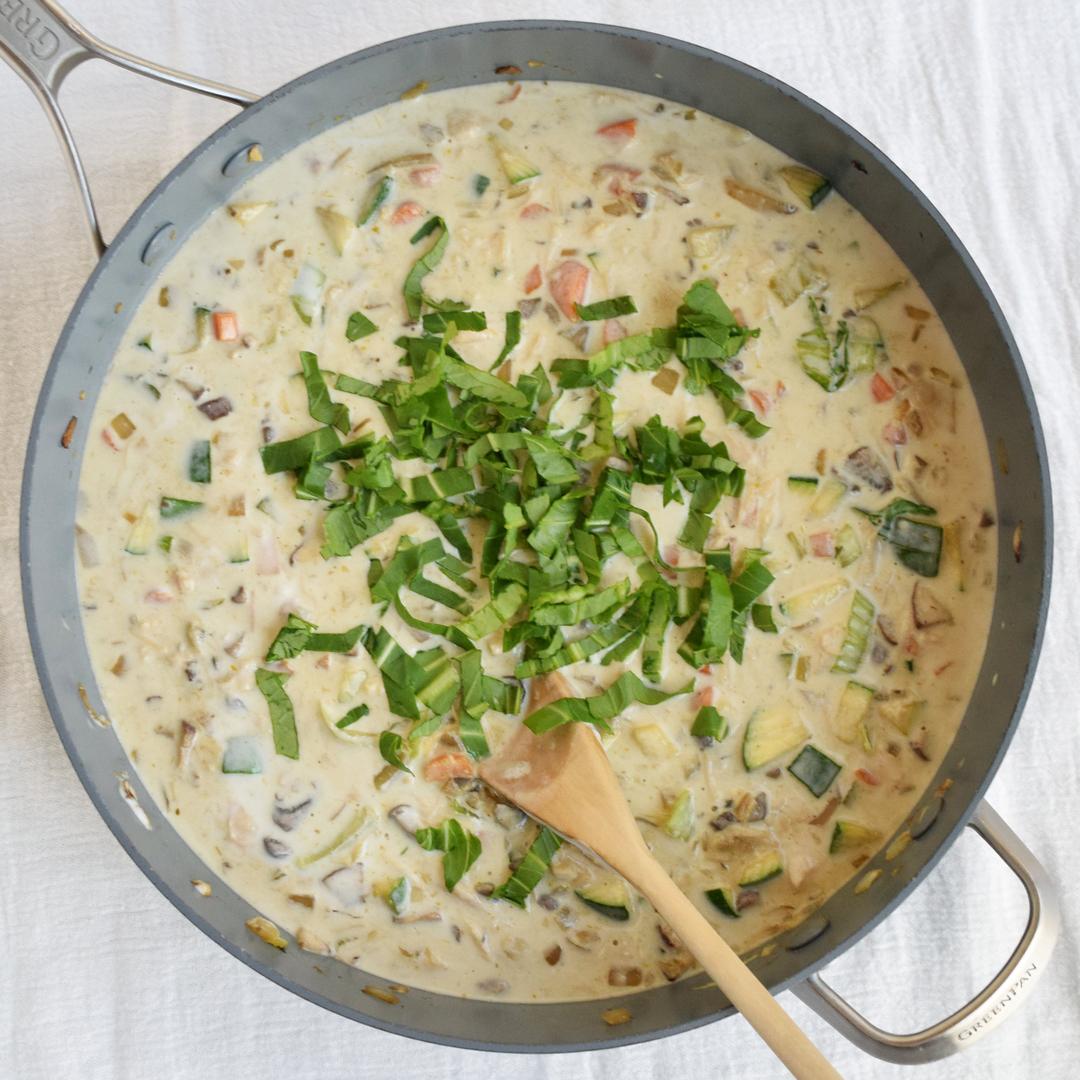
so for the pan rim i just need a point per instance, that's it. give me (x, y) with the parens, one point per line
(36, 634)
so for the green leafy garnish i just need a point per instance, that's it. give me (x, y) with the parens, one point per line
(532, 868)
(917, 544)
(359, 326)
(606, 309)
(481, 183)
(291, 639)
(460, 849)
(271, 685)
(321, 408)
(427, 262)
(511, 339)
(709, 724)
(625, 691)
(357, 712)
(391, 745)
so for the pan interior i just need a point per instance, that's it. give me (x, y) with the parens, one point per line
(459, 57)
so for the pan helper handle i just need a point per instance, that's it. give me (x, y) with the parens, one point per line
(43, 43)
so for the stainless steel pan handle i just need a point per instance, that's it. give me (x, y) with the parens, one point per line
(43, 43)
(994, 1002)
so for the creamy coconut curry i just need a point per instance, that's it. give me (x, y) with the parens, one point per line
(515, 379)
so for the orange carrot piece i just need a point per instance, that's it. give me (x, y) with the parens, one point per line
(622, 130)
(225, 325)
(532, 280)
(534, 210)
(406, 212)
(823, 545)
(881, 388)
(567, 285)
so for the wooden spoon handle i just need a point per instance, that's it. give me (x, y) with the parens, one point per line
(772, 1023)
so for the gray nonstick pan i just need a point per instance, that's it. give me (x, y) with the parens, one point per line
(44, 43)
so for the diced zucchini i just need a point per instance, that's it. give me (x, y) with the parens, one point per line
(771, 732)
(804, 485)
(338, 227)
(609, 898)
(867, 297)
(848, 548)
(860, 621)
(517, 167)
(852, 710)
(723, 899)
(396, 894)
(850, 834)
(199, 471)
(798, 277)
(806, 185)
(306, 295)
(830, 491)
(202, 330)
(238, 551)
(815, 770)
(902, 713)
(165, 543)
(866, 347)
(242, 756)
(761, 868)
(652, 740)
(171, 507)
(708, 240)
(679, 822)
(142, 531)
(804, 606)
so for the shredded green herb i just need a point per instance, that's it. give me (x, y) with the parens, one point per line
(606, 309)
(359, 326)
(271, 685)
(532, 868)
(460, 849)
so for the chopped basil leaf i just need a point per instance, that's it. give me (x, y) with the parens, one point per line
(511, 339)
(291, 639)
(320, 406)
(460, 849)
(359, 326)
(358, 712)
(709, 724)
(271, 685)
(427, 262)
(297, 453)
(438, 322)
(390, 746)
(606, 309)
(530, 871)
(626, 690)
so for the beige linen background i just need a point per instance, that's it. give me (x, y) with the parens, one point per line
(978, 101)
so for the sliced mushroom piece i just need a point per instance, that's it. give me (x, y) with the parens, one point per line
(347, 885)
(867, 467)
(927, 609)
(275, 848)
(188, 734)
(888, 629)
(288, 817)
(671, 967)
(624, 976)
(406, 818)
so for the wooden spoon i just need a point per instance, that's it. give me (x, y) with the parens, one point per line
(563, 779)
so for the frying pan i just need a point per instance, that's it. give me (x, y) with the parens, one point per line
(44, 43)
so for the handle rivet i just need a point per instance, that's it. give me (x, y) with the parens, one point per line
(157, 243)
(243, 159)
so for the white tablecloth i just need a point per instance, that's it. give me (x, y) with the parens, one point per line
(977, 101)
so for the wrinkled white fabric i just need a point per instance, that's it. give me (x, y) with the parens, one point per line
(977, 102)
